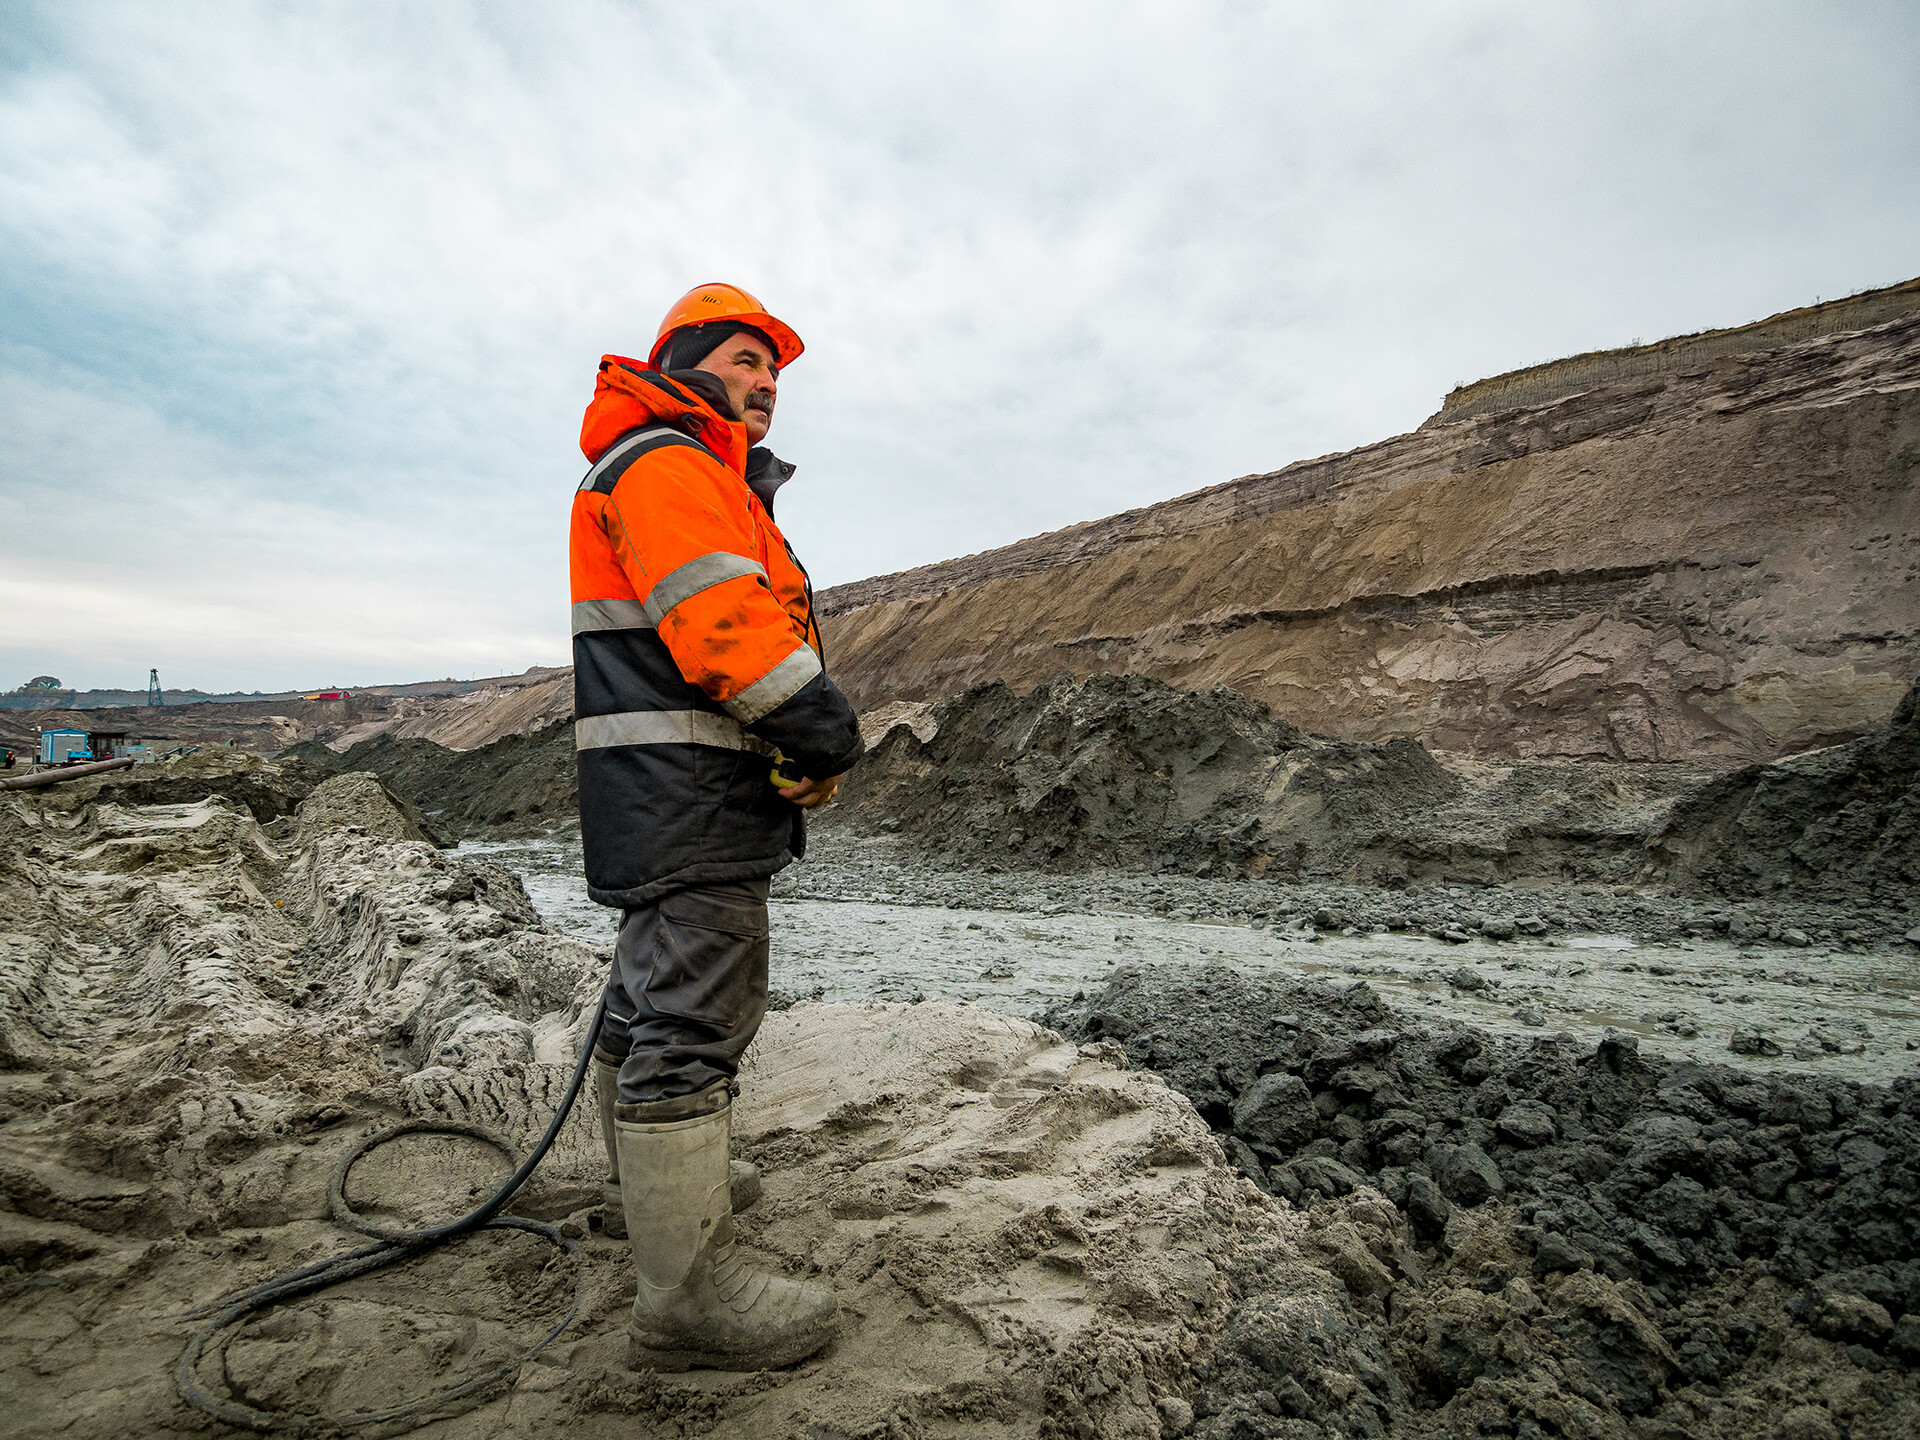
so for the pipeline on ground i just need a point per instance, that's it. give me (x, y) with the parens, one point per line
(64, 772)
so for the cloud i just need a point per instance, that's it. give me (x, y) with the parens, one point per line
(302, 304)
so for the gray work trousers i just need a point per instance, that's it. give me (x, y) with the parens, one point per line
(688, 990)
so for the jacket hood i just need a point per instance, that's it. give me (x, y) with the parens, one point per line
(630, 393)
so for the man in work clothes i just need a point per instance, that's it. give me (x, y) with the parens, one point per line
(696, 663)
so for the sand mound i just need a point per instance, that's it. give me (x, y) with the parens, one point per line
(359, 804)
(201, 1017)
(516, 783)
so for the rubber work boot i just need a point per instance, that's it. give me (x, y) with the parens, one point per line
(699, 1302)
(743, 1177)
(606, 1089)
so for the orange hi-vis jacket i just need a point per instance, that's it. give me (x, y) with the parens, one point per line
(696, 656)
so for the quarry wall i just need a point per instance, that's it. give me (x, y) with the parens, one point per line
(1540, 384)
(1720, 562)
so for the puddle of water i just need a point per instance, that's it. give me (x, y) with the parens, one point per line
(1685, 1001)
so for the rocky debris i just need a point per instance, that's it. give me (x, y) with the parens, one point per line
(1840, 821)
(854, 864)
(1686, 1236)
(1707, 565)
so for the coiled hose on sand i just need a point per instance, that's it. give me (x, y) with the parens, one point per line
(390, 1247)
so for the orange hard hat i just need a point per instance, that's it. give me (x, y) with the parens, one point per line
(706, 303)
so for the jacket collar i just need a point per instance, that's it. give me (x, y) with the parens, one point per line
(766, 473)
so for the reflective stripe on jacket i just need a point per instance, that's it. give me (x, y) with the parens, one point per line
(695, 652)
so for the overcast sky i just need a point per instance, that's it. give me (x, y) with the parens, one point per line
(300, 305)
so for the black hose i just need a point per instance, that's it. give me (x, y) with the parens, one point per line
(390, 1247)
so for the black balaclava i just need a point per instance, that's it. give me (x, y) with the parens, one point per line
(689, 346)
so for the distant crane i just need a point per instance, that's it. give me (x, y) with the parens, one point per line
(154, 697)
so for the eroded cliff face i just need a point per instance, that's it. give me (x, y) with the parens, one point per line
(1717, 564)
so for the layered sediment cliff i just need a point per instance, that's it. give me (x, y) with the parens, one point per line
(1720, 562)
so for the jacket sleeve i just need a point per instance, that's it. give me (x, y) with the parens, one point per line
(687, 549)
(817, 728)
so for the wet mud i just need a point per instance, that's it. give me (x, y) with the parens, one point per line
(856, 924)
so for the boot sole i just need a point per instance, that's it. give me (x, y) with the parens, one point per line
(643, 1354)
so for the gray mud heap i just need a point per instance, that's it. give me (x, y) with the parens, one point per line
(515, 784)
(1127, 772)
(1840, 821)
(1570, 1241)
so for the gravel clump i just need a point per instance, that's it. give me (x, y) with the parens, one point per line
(1668, 1227)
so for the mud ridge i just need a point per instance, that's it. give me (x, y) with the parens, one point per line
(1128, 773)
(1842, 820)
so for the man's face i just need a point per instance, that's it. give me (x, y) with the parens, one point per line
(746, 368)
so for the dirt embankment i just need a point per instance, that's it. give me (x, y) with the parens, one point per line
(495, 709)
(1558, 379)
(1127, 772)
(1710, 565)
(1590, 1242)
(1842, 821)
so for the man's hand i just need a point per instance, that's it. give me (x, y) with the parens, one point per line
(810, 793)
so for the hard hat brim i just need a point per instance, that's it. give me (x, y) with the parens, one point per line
(787, 344)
